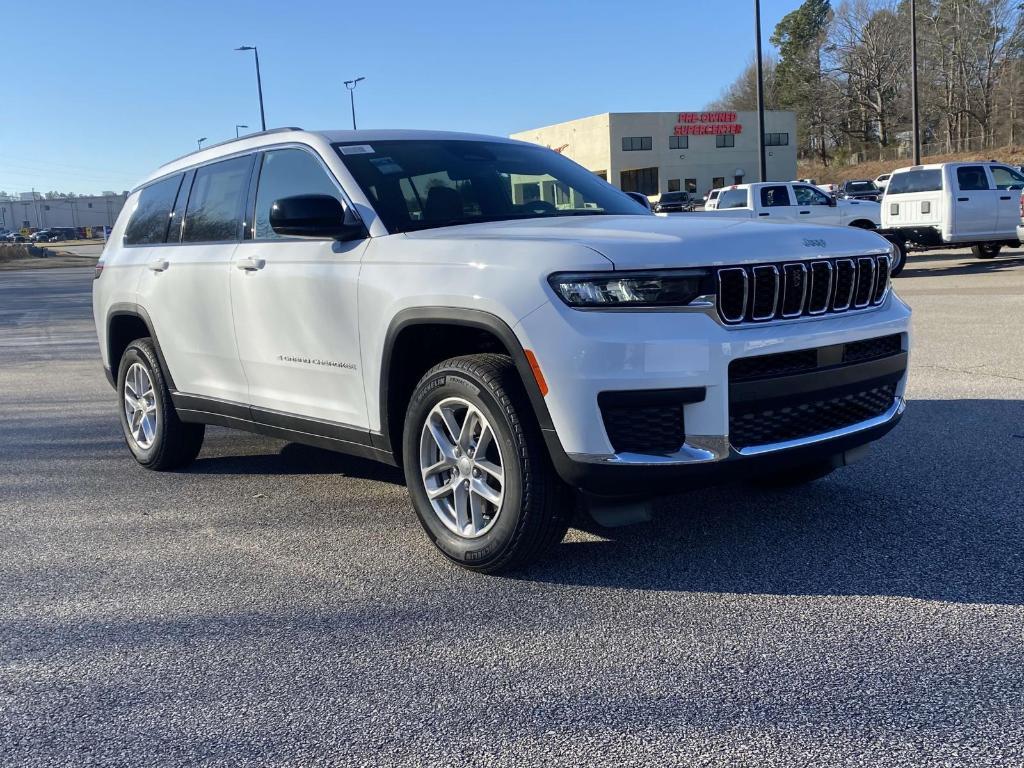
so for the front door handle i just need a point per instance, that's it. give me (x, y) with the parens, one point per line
(963, 199)
(250, 264)
(764, 214)
(158, 265)
(805, 213)
(1005, 198)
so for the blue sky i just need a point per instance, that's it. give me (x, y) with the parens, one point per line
(99, 93)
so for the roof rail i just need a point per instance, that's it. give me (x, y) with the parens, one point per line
(286, 129)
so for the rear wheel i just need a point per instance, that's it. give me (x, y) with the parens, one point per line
(155, 435)
(479, 475)
(986, 250)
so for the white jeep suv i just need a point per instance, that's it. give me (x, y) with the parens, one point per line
(493, 318)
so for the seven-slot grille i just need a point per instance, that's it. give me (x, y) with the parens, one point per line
(799, 289)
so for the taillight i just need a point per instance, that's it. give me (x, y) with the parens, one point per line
(99, 270)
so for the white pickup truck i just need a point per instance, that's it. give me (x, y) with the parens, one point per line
(795, 202)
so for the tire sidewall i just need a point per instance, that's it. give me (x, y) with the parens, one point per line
(477, 552)
(135, 354)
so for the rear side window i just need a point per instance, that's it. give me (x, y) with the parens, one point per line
(909, 182)
(149, 222)
(774, 197)
(971, 178)
(286, 173)
(215, 204)
(733, 198)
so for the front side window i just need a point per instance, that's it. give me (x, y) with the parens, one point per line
(809, 196)
(732, 198)
(286, 173)
(214, 211)
(153, 214)
(1007, 179)
(971, 178)
(725, 140)
(774, 197)
(422, 183)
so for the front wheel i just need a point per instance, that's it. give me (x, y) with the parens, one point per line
(986, 250)
(480, 478)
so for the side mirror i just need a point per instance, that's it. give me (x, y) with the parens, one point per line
(320, 216)
(640, 198)
(832, 202)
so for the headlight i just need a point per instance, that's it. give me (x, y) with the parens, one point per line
(663, 288)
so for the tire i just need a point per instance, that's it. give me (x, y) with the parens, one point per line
(986, 250)
(900, 258)
(794, 476)
(169, 443)
(535, 506)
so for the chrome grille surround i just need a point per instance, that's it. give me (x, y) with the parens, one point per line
(796, 289)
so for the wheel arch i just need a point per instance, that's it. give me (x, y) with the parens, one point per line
(863, 224)
(411, 347)
(126, 323)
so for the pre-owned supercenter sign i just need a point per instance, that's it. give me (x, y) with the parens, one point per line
(707, 124)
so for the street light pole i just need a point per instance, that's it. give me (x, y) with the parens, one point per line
(351, 86)
(237, 126)
(259, 81)
(760, 92)
(199, 142)
(915, 127)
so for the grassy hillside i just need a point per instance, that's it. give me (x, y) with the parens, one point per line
(836, 174)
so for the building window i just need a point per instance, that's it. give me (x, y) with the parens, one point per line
(691, 186)
(601, 175)
(642, 180)
(725, 140)
(776, 139)
(718, 182)
(46, 207)
(90, 205)
(637, 143)
(678, 142)
(673, 185)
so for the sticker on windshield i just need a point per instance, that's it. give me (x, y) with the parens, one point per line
(385, 165)
(357, 149)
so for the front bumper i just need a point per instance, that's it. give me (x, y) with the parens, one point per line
(584, 354)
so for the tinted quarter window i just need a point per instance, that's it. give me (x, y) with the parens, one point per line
(215, 203)
(149, 222)
(915, 181)
(971, 178)
(286, 173)
(774, 197)
(733, 198)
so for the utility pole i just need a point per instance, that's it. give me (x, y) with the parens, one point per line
(915, 126)
(351, 86)
(760, 92)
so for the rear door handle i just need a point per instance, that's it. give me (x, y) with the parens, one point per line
(764, 214)
(250, 264)
(805, 213)
(158, 265)
(1005, 198)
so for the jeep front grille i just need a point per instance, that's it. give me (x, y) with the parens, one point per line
(790, 290)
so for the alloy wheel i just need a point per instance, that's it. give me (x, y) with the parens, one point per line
(140, 405)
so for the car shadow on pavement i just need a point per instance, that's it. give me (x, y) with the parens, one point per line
(969, 266)
(297, 459)
(935, 512)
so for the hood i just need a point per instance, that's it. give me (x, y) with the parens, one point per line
(855, 201)
(649, 242)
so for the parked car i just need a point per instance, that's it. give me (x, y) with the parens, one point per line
(882, 181)
(955, 205)
(860, 190)
(676, 202)
(16, 237)
(711, 201)
(1020, 226)
(40, 236)
(404, 296)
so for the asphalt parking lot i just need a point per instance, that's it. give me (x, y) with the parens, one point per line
(277, 604)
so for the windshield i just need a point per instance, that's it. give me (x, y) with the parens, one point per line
(861, 186)
(673, 197)
(421, 184)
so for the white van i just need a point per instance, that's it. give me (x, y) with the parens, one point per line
(955, 205)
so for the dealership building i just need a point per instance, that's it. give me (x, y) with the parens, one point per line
(656, 152)
(31, 210)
